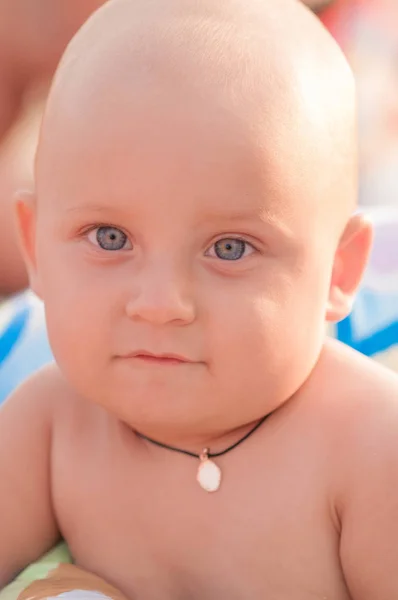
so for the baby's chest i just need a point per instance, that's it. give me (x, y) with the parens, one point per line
(155, 534)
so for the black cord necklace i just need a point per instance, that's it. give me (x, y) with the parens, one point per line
(209, 474)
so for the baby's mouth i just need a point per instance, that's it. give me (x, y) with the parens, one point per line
(145, 356)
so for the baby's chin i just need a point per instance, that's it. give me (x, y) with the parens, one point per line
(185, 410)
(170, 410)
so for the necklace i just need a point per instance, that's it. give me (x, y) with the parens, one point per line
(209, 473)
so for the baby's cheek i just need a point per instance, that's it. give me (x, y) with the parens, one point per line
(262, 333)
(77, 324)
(245, 327)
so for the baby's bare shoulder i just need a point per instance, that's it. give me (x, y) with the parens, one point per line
(355, 402)
(37, 396)
(27, 521)
(349, 395)
(357, 388)
(360, 400)
(49, 399)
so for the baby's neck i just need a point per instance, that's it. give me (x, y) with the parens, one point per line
(197, 443)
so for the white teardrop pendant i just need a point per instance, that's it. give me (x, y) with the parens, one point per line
(209, 474)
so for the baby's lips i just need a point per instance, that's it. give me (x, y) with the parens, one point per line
(166, 356)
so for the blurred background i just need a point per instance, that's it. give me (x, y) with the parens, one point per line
(33, 35)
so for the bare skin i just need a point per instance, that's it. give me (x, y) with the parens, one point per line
(190, 234)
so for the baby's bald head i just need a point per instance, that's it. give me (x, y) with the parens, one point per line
(261, 71)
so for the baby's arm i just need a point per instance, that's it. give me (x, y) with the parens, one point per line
(27, 523)
(369, 509)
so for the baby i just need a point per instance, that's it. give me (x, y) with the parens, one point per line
(191, 233)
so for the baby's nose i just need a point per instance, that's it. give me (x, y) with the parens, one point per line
(160, 297)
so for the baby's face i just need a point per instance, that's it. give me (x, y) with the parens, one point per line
(179, 232)
(184, 237)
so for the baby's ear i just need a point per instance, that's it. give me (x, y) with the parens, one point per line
(349, 264)
(25, 212)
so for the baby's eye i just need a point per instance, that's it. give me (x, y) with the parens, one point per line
(109, 238)
(230, 249)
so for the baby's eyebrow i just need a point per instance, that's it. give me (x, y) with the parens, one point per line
(84, 208)
(105, 212)
(231, 215)
(259, 217)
